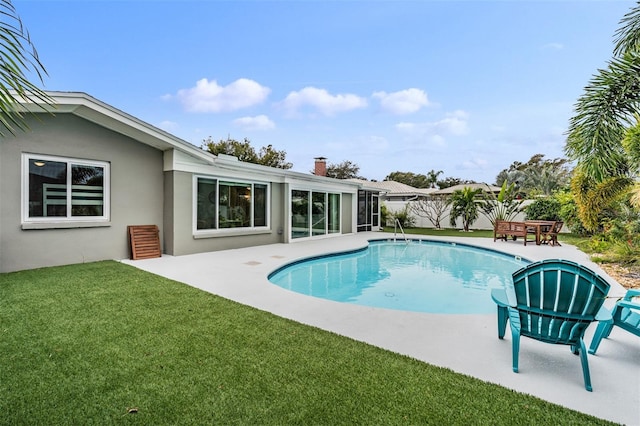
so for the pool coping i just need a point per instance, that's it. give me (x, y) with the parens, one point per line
(489, 305)
(467, 344)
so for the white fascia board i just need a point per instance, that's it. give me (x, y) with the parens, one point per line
(321, 184)
(181, 161)
(231, 168)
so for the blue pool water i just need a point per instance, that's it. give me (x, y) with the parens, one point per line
(422, 276)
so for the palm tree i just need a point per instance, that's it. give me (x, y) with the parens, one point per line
(603, 115)
(432, 177)
(464, 205)
(18, 56)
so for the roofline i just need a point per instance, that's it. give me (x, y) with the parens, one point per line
(86, 106)
(231, 162)
(96, 111)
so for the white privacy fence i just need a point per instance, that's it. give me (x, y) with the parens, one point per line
(422, 222)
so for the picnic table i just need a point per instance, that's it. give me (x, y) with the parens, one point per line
(538, 227)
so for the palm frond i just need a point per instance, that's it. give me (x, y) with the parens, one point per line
(627, 37)
(601, 117)
(631, 145)
(635, 195)
(18, 57)
(592, 197)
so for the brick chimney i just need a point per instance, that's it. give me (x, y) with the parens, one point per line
(321, 166)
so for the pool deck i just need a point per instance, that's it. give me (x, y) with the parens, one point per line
(467, 344)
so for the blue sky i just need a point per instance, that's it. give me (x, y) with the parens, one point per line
(466, 87)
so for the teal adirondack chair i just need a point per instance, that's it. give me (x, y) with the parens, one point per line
(552, 301)
(626, 315)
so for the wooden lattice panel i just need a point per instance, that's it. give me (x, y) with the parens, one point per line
(144, 241)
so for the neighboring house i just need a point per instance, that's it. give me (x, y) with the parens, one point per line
(76, 179)
(396, 191)
(483, 186)
(397, 196)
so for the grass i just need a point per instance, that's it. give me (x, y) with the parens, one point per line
(103, 343)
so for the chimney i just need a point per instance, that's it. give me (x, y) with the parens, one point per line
(321, 166)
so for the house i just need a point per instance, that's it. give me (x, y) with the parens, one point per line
(473, 186)
(396, 191)
(74, 182)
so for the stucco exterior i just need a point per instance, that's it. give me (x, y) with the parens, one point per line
(151, 178)
(136, 193)
(179, 229)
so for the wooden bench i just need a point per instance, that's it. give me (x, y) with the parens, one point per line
(504, 229)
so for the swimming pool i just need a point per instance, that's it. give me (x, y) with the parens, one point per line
(421, 276)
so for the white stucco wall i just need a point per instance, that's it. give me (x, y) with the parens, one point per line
(423, 222)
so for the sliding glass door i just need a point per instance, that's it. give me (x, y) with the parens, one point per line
(314, 213)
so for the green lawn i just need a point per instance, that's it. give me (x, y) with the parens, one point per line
(103, 342)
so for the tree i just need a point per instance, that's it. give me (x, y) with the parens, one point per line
(18, 56)
(433, 207)
(452, 181)
(432, 177)
(273, 158)
(602, 116)
(414, 179)
(245, 152)
(503, 206)
(536, 176)
(513, 174)
(631, 144)
(344, 170)
(464, 205)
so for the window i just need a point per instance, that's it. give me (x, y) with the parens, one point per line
(368, 210)
(224, 204)
(61, 189)
(319, 213)
(334, 214)
(314, 213)
(299, 214)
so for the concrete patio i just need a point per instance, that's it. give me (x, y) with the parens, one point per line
(467, 344)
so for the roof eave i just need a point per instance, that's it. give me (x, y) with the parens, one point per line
(96, 111)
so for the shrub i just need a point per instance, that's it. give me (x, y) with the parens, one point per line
(569, 213)
(502, 206)
(404, 217)
(546, 208)
(384, 215)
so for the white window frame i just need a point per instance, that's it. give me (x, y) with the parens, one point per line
(311, 191)
(68, 219)
(203, 233)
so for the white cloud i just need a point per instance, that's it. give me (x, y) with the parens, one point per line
(208, 96)
(402, 102)
(168, 126)
(322, 101)
(474, 164)
(553, 46)
(453, 124)
(438, 140)
(259, 122)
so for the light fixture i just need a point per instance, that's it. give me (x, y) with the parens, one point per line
(39, 163)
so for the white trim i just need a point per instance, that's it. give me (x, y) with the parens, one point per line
(219, 232)
(65, 221)
(310, 236)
